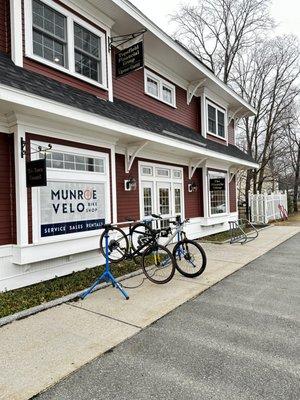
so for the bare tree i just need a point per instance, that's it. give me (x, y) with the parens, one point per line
(267, 77)
(219, 30)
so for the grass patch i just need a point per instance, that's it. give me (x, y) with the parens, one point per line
(21, 299)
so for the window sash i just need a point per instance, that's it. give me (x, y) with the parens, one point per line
(216, 121)
(218, 203)
(68, 66)
(162, 88)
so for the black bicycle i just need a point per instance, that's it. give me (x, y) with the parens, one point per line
(141, 245)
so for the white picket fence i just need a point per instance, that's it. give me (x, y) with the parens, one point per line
(264, 207)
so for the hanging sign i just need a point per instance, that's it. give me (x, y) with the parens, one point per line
(217, 184)
(36, 173)
(130, 59)
(71, 207)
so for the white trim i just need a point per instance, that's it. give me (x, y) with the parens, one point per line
(156, 66)
(221, 175)
(16, 32)
(90, 12)
(10, 94)
(161, 83)
(151, 27)
(155, 181)
(21, 189)
(71, 19)
(223, 111)
(113, 184)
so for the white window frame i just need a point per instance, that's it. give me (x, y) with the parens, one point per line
(174, 183)
(57, 174)
(222, 110)
(161, 83)
(70, 51)
(216, 174)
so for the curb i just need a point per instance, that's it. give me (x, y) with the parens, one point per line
(53, 303)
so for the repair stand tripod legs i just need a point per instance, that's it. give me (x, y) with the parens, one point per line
(107, 275)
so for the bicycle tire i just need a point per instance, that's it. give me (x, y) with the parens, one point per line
(113, 244)
(199, 269)
(151, 270)
(149, 239)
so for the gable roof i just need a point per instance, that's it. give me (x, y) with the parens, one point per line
(118, 110)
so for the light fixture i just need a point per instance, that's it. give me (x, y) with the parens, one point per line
(130, 184)
(192, 187)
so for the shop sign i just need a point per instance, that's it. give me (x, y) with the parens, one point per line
(130, 59)
(71, 207)
(36, 173)
(216, 184)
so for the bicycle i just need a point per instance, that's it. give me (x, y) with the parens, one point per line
(190, 258)
(157, 261)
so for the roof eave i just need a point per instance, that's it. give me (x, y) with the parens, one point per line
(128, 7)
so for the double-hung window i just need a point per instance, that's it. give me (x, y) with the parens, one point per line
(159, 88)
(58, 38)
(216, 120)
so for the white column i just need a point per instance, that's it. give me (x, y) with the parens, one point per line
(109, 69)
(21, 189)
(113, 185)
(16, 32)
(205, 191)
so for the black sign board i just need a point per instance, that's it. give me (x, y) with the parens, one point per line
(217, 184)
(36, 173)
(130, 59)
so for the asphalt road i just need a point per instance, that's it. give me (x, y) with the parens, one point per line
(238, 340)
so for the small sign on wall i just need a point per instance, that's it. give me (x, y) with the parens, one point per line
(36, 173)
(130, 59)
(216, 184)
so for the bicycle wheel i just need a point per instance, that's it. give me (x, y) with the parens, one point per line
(158, 263)
(190, 258)
(117, 245)
(141, 235)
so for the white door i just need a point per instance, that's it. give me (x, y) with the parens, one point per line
(147, 199)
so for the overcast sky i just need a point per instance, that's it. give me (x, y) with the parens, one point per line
(285, 12)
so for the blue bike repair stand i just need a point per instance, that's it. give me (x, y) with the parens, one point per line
(107, 275)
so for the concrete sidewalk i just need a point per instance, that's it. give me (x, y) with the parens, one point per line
(38, 351)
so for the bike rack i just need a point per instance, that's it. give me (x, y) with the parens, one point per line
(106, 275)
(238, 235)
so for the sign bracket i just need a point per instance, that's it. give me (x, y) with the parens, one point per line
(40, 149)
(122, 39)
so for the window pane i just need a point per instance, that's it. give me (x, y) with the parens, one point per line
(167, 95)
(177, 195)
(221, 125)
(163, 172)
(48, 19)
(86, 41)
(87, 66)
(164, 201)
(48, 48)
(211, 119)
(152, 86)
(147, 201)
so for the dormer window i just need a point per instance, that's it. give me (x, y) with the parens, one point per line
(216, 120)
(160, 89)
(56, 37)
